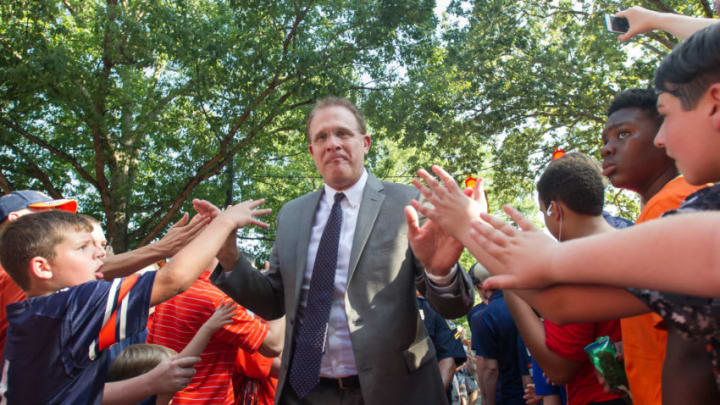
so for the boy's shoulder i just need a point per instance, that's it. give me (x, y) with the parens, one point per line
(705, 199)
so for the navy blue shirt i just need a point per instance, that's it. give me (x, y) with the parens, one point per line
(495, 336)
(446, 345)
(56, 344)
(476, 309)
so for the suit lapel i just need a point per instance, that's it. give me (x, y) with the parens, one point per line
(305, 216)
(373, 197)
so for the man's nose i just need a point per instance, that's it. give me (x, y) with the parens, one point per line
(333, 142)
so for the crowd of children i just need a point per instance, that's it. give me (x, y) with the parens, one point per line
(659, 277)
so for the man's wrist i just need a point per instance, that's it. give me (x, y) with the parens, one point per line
(442, 281)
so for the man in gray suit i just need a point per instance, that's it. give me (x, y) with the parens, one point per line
(364, 343)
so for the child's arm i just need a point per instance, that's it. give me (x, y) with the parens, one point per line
(643, 20)
(167, 378)
(191, 261)
(178, 236)
(675, 254)
(573, 303)
(222, 316)
(557, 368)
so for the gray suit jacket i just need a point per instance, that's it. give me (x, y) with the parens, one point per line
(395, 359)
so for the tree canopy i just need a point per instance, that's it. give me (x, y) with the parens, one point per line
(136, 107)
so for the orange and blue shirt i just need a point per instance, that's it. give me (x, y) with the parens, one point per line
(55, 349)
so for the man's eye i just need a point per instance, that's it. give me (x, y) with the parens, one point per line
(623, 134)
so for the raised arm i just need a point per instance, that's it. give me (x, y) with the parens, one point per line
(222, 316)
(190, 262)
(557, 368)
(643, 256)
(642, 20)
(178, 236)
(573, 303)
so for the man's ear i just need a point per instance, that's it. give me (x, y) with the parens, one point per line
(40, 268)
(714, 98)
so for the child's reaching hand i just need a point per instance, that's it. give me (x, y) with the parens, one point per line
(222, 316)
(244, 213)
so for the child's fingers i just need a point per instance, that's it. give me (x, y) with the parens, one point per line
(500, 282)
(446, 178)
(488, 232)
(499, 224)
(519, 218)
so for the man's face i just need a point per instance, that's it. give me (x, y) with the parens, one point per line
(630, 160)
(690, 139)
(77, 260)
(337, 147)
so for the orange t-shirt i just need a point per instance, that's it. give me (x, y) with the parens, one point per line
(9, 293)
(253, 383)
(643, 336)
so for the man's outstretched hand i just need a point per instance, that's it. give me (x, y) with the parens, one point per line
(437, 250)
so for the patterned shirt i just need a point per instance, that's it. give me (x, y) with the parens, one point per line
(693, 317)
(176, 321)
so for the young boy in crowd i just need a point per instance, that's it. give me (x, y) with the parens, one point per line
(12, 207)
(571, 198)
(59, 334)
(631, 161)
(649, 255)
(140, 358)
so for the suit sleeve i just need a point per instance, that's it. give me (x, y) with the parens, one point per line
(451, 301)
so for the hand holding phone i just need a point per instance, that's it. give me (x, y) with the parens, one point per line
(618, 25)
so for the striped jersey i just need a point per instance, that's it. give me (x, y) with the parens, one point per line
(176, 321)
(55, 350)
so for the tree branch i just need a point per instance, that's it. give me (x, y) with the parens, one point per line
(36, 172)
(57, 152)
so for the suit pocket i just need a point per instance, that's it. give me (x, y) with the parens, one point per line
(419, 353)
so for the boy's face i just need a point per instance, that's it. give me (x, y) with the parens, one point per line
(77, 260)
(630, 160)
(99, 239)
(688, 137)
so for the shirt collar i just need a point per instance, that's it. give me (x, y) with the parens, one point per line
(353, 195)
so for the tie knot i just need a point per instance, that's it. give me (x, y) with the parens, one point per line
(339, 197)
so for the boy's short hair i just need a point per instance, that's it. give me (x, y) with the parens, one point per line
(35, 235)
(137, 359)
(692, 67)
(644, 99)
(576, 180)
(333, 101)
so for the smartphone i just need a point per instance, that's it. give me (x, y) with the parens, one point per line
(618, 25)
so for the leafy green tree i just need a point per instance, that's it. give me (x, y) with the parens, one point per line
(138, 106)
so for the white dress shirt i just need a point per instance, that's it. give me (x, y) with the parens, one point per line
(338, 359)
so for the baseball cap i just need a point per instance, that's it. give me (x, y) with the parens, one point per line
(18, 200)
